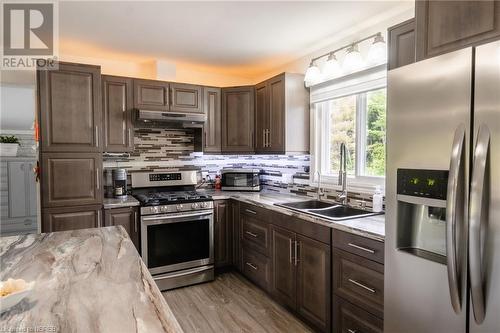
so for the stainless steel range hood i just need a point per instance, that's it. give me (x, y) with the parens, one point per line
(171, 117)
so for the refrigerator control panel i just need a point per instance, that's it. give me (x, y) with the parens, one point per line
(423, 183)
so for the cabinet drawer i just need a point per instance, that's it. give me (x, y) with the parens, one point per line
(350, 318)
(362, 246)
(255, 234)
(359, 281)
(256, 267)
(255, 212)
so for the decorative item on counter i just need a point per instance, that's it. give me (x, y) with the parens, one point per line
(218, 182)
(8, 145)
(12, 292)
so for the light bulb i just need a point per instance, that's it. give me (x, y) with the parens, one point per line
(313, 75)
(332, 68)
(378, 51)
(353, 60)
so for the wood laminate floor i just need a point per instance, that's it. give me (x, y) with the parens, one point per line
(230, 304)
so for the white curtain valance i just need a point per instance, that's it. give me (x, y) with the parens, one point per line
(368, 79)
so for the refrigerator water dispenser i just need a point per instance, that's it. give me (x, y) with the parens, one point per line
(421, 213)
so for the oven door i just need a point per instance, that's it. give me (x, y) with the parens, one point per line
(171, 242)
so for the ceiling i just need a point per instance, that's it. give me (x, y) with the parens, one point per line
(243, 37)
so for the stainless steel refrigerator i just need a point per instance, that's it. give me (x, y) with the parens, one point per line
(442, 246)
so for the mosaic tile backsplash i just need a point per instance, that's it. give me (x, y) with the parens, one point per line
(172, 149)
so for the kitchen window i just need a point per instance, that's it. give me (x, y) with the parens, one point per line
(350, 111)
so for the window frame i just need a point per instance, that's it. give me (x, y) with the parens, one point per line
(358, 84)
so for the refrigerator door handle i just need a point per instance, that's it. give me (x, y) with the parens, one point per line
(477, 221)
(454, 204)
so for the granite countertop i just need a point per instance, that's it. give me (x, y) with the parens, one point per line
(89, 280)
(129, 201)
(371, 227)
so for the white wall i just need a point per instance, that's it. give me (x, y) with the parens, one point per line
(400, 13)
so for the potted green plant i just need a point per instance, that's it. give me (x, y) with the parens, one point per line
(8, 145)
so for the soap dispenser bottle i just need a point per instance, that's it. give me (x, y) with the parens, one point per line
(377, 200)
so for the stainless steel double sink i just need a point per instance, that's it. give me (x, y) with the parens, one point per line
(331, 211)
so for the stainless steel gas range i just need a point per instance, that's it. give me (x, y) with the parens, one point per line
(177, 228)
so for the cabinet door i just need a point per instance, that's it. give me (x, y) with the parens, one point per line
(32, 196)
(186, 98)
(151, 95)
(70, 179)
(444, 26)
(117, 102)
(238, 119)
(71, 218)
(70, 108)
(212, 128)
(261, 117)
(127, 218)
(255, 267)
(276, 136)
(401, 44)
(18, 204)
(283, 281)
(222, 233)
(313, 282)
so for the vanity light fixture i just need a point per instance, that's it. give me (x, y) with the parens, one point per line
(331, 68)
(313, 74)
(378, 51)
(353, 60)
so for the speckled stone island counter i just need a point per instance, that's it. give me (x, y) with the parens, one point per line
(371, 227)
(89, 280)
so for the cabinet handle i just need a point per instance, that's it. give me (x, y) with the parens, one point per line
(351, 331)
(97, 182)
(264, 138)
(291, 251)
(359, 284)
(130, 138)
(251, 211)
(251, 234)
(252, 266)
(268, 137)
(361, 248)
(135, 221)
(98, 218)
(296, 253)
(96, 129)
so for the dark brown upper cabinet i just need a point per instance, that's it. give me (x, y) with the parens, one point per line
(70, 108)
(301, 276)
(212, 129)
(238, 119)
(401, 44)
(282, 115)
(151, 95)
(70, 179)
(186, 98)
(444, 26)
(117, 104)
(128, 218)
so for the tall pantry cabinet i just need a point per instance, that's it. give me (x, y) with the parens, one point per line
(70, 121)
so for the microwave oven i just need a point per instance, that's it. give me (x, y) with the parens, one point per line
(241, 179)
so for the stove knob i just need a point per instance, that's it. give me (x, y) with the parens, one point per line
(205, 205)
(178, 207)
(163, 209)
(155, 209)
(194, 205)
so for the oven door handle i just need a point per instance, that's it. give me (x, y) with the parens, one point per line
(182, 273)
(176, 216)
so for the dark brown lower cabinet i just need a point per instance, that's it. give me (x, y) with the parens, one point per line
(128, 218)
(256, 267)
(222, 233)
(236, 243)
(348, 318)
(301, 276)
(71, 218)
